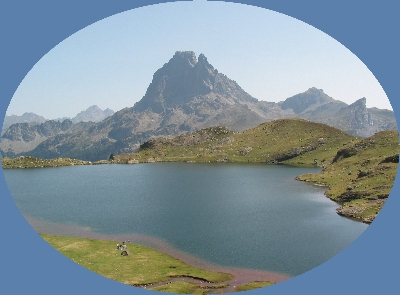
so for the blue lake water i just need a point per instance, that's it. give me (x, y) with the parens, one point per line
(242, 215)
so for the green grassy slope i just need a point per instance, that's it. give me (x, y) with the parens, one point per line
(361, 175)
(143, 265)
(272, 142)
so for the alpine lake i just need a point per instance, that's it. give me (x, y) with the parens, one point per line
(252, 216)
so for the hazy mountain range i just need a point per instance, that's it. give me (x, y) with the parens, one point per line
(25, 118)
(24, 133)
(91, 114)
(185, 95)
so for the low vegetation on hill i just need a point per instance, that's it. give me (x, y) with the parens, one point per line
(31, 162)
(361, 175)
(293, 141)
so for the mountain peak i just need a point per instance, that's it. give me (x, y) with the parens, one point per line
(185, 79)
(92, 113)
(313, 97)
(202, 58)
(314, 90)
(185, 57)
(203, 63)
(362, 102)
(93, 108)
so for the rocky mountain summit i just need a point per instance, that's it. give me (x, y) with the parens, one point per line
(188, 94)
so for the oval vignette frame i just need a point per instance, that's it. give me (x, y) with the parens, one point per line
(30, 264)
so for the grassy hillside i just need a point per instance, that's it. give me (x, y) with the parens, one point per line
(361, 175)
(293, 141)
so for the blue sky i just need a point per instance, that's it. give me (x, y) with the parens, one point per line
(270, 55)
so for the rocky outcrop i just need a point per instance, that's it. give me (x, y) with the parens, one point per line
(391, 159)
(293, 153)
(354, 149)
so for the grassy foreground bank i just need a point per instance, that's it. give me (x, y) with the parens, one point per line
(143, 266)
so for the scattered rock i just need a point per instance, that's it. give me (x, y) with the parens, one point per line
(391, 159)
(244, 151)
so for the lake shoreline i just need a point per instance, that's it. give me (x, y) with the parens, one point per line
(241, 275)
(139, 206)
(26, 163)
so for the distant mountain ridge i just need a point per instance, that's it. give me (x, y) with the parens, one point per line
(309, 101)
(29, 130)
(21, 138)
(354, 119)
(188, 94)
(25, 118)
(93, 114)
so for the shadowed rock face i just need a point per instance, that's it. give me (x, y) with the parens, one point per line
(184, 78)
